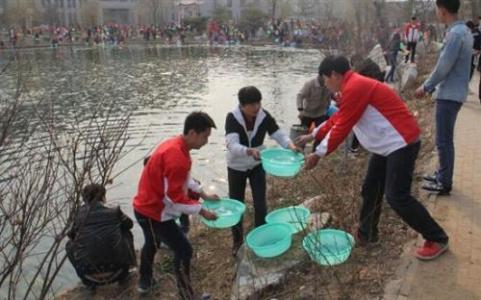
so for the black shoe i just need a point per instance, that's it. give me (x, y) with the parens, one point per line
(206, 296)
(436, 187)
(91, 288)
(124, 281)
(431, 178)
(145, 286)
(354, 150)
(363, 241)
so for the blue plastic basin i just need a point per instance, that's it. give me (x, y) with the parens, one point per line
(329, 247)
(296, 216)
(229, 212)
(331, 110)
(281, 162)
(270, 240)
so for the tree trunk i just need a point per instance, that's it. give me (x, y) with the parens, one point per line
(274, 8)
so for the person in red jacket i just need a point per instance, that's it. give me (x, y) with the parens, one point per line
(162, 197)
(386, 128)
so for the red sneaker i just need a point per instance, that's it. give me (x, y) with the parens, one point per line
(430, 250)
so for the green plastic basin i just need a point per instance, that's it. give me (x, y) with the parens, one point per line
(229, 212)
(270, 240)
(297, 216)
(329, 247)
(281, 162)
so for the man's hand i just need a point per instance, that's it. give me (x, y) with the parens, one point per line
(304, 139)
(294, 148)
(254, 153)
(208, 214)
(300, 115)
(311, 161)
(211, 197)
(420, 92)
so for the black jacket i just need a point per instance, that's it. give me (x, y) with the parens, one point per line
(101, 236)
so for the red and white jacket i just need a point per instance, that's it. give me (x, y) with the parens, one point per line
(162, 193)
(380, 119)
(411, 34)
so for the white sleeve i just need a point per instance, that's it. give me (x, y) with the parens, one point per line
(194, 185)
(321, 149)
(281, 138)
(234, 146)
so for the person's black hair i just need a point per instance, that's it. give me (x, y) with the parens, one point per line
(370, 69)
(470, 24)
(198, 121)
(146, 160)
(338, 64)
(413, 18)
(93, 193)
(356, 59)
(249, 95)
(451, 6)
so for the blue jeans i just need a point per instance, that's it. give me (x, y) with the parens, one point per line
(392, 62)
(446, 114)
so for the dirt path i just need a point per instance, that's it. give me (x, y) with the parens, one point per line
(456, 275)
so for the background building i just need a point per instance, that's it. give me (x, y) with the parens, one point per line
(118, 11)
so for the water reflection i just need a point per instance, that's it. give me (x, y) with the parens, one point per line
(160, 86)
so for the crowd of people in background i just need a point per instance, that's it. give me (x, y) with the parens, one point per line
(332, 34)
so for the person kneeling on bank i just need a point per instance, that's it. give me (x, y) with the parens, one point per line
(101, 246)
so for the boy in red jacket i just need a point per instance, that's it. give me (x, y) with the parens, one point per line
(162, 196)
(386, 128)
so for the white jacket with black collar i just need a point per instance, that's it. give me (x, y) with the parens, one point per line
(238, 139)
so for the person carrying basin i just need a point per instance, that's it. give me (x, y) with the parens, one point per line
(197, 194)
(246, 128)
(162, 196)
(313, 102)
(100, 246)
(386, 128)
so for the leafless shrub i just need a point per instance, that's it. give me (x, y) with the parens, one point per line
(42, 171)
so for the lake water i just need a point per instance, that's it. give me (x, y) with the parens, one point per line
(160, 86)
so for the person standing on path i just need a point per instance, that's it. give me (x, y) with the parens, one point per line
(449, 81)
(392, 52)
(412, 37)
(476, 45)
(385, 127)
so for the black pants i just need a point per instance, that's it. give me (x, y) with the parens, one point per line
(473, 67)
(237, 186)
(354, 142)
(171, 234)
(392, 176)
(412, 48)
(86, 271)
(307, 121)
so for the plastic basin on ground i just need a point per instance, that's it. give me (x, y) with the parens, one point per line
(270, 240)
(296, 216)
(229, 212)
(281, 162)
(329, 247)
